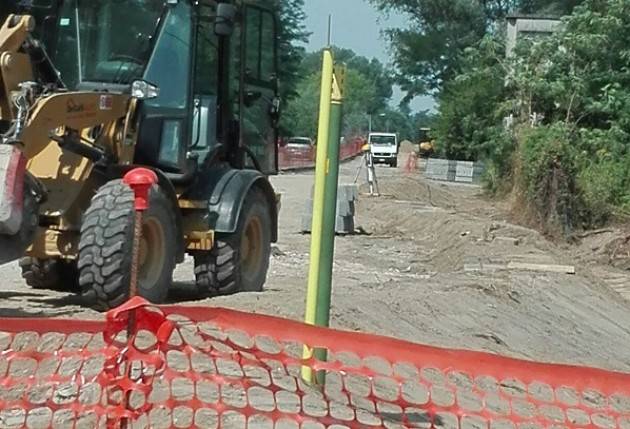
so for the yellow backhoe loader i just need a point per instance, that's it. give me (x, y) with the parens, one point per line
(90, 89)
(427, 143)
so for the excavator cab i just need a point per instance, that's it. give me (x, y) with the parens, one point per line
(186, 88)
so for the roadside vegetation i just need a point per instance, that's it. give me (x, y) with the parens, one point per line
(565, 158)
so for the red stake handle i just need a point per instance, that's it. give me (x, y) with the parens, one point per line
(140, 180)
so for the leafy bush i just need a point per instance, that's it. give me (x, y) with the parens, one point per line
(499, 159)
(573, 168)
(469, 113)
(572, 179)
(603, 187)
(548, 172)
(604, 172)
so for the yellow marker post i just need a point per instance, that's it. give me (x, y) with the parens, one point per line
(319, 199)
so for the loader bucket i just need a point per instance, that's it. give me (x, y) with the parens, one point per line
(17, 208)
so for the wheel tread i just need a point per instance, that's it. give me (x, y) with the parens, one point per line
(104, 236)
(49, 274)
(106, 244)
(217, 272)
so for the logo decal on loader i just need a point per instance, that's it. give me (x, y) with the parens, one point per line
(106, 102)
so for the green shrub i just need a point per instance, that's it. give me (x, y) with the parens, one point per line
(570, 179)
(548, 171)
(469, 113)
(499, 159)
(603, 188)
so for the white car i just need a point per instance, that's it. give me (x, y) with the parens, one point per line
(300, 146)
(300, 143)
(384, 148)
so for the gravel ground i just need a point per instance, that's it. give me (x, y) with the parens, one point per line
(431, 268)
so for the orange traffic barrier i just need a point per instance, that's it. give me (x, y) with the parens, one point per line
(412, 163)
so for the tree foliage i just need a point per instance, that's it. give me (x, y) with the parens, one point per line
(568, 154)
(292, 38)
(371, 69)
(427, 54)
(580, 78)
(470, 116)
(368, 90)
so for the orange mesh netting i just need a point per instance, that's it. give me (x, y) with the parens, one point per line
(206, 368)
(290, 159)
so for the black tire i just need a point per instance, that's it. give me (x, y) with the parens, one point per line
(226, 269)
(105, 249)
(50, 274)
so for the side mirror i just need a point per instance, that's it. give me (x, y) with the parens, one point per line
(143, 90)
(224, 24)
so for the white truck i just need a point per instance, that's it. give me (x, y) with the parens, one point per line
(384, 148)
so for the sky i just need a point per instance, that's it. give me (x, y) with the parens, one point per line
(357, 25)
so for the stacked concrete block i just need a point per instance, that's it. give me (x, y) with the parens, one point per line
(454, 171)
(347, 196)
(464, 172)
(441, 169)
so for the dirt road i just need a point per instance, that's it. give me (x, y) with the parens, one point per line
(433, 269)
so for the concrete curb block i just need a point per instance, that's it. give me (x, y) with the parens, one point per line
(346, 211)
(454, 171)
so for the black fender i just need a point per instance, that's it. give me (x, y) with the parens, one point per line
(226, 190)
(119, 171)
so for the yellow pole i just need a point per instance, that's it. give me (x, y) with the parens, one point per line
(318, 199)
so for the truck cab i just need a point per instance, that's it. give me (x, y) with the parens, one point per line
(384, 148)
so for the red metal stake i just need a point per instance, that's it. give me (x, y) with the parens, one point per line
(140, 180)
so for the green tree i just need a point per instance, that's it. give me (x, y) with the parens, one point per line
(578, 81)
(292, 38)
(302, 112)
(427, 54)
(556, 7)
(368, 91)
(373, 70)
(300, 116)
(470, 105)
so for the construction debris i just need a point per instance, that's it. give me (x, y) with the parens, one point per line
(483, 267)
(560, 269)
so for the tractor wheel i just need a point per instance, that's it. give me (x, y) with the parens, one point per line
(105, 249)
(239, 262)
(51, 274)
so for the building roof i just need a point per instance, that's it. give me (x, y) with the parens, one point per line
(535, 17)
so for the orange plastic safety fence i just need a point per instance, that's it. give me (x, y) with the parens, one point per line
(294, 159)
(207, 368)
